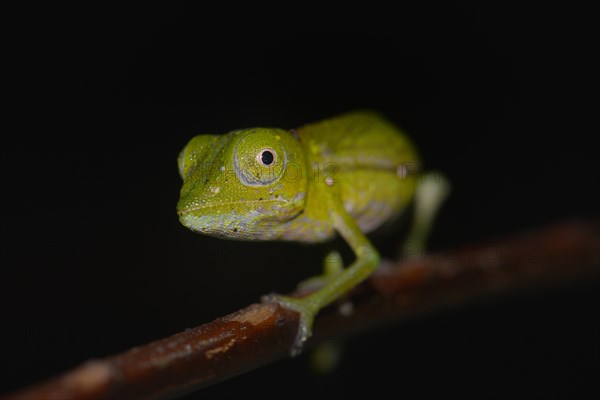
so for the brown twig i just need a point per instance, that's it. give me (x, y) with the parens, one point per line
(261, 333)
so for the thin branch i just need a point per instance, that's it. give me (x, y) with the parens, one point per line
(262, 333)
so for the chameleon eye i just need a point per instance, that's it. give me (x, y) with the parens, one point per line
(266, 157)
(259, 158)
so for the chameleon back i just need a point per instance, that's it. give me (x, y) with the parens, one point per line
(373, 164)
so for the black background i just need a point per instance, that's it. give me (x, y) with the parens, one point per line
(94, 260)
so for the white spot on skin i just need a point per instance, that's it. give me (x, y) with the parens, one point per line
(402, 171)
(329, 181)
(215, 189)
(222, 168)
(349, 207)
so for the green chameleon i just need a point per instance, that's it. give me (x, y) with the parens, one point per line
(345, 175)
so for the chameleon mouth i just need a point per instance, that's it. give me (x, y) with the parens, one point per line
(198, 208)
(223, 226)
(211, 225)
(196, 223)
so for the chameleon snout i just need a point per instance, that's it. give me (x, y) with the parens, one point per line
(189, 218)
(192, 214)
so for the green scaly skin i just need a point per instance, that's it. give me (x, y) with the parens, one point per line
(345, 175)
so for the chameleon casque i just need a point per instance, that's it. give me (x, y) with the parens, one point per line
(345, 175)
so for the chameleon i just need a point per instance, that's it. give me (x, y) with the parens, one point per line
(345, 175)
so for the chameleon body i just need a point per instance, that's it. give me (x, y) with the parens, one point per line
(345, 175)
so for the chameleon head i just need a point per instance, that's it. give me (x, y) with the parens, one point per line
(242, 185)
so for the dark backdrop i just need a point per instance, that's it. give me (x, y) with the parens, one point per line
(95, 261)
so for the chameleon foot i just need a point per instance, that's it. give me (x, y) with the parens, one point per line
(307, 310)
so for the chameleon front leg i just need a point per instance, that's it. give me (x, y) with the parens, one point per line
(366, 261)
